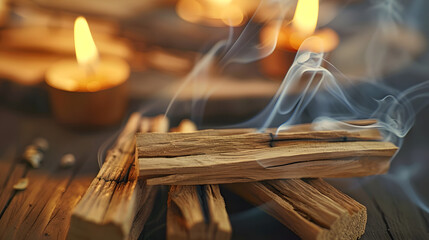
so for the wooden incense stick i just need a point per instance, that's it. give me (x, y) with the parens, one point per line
(241, 155)
(117, 204)
(196, 212)
(312, 208)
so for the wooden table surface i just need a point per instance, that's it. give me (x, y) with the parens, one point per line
(43, 210)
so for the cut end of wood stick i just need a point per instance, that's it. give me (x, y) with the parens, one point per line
(313, 209)
(116, 204)
(197, 212)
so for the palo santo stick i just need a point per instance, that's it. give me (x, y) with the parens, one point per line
(313, 209)
(185, 144)
(117, 204)
(219, 226)
(190, 142)
(240, 155)
(186, 205)
(308, 159)
(270, 157)
(324, 168)
(185, 213)
(185, 217)
(95, 216)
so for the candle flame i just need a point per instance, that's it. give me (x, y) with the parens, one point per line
(306, 15)
(213, 12)
(86, 51)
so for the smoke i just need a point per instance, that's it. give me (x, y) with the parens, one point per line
(197, 79)
(246, 48)
(389, 16)
(330, 94)
(318, 88)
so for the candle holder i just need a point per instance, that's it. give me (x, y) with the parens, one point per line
(101, 102)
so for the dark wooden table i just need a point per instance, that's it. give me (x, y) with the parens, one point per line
(43, 210)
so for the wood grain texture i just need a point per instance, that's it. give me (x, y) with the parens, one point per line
(393, 211)
(185, 217)
(210, 142)
(43, 210)
(219, 226)
(306, 159)
(197, 212)
(117, 204)
(304, 207)
(391, 215)
(243, 155)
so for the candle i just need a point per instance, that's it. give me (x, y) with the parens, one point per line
(88, 91)
(291, 38)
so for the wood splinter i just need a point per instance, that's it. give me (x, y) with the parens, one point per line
(311, 208)
(243, 155)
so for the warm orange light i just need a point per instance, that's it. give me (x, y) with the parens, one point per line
(189, 10)
(213, 12)
(306, 15)
(303, 28)
(324, 40)
(232, 16)
(86, 51)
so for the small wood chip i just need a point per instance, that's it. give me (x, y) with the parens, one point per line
(160, 123)
(145, 125)
(21, 184)
(33, 156)
(41, 143)
(185, 126)
(68, 160)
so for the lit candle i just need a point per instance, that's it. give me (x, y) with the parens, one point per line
(89, 92)
(291, 37)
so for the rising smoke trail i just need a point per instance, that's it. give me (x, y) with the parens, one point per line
(325, 96)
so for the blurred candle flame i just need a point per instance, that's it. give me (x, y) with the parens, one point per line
(213, 12)
(302, 30)
(306, 15)
(86, 51)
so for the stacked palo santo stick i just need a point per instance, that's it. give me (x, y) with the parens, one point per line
(312, 208)
(243, 155)
(267, 170)
(117, 204)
